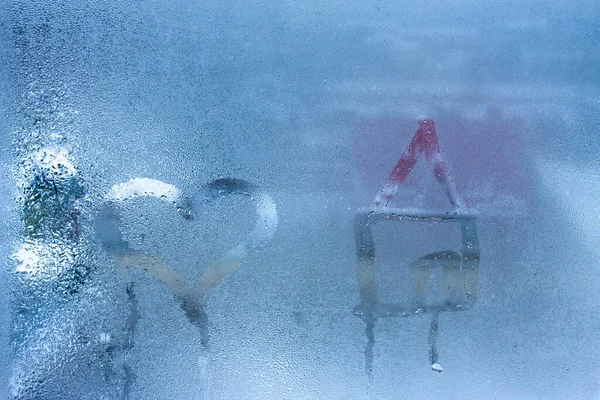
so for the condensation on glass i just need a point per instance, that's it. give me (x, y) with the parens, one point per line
(188, 200)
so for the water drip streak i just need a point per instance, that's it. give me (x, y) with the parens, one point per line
(131, 324)
(369, 349)
(433, 332)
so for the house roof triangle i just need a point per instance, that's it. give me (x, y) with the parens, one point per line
(424, 142)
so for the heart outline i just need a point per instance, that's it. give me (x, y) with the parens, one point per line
(194, 297)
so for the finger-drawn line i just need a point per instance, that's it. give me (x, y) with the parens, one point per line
(460, 269)
(192, 297)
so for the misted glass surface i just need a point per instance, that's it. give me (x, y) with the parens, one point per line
(299, 200)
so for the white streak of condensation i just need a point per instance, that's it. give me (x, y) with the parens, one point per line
(54, 159)
(266, 223)
(33, 259)
(145, 187)
(47, 159)
(28, 259)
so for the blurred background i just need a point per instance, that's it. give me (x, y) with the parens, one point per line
(315, 102)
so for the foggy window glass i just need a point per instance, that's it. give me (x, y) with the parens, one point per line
(299, 200)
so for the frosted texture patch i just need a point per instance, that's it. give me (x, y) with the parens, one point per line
(119, 116)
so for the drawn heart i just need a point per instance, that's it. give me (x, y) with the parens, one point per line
(192, 297)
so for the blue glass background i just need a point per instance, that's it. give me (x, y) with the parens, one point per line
(315, 102)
